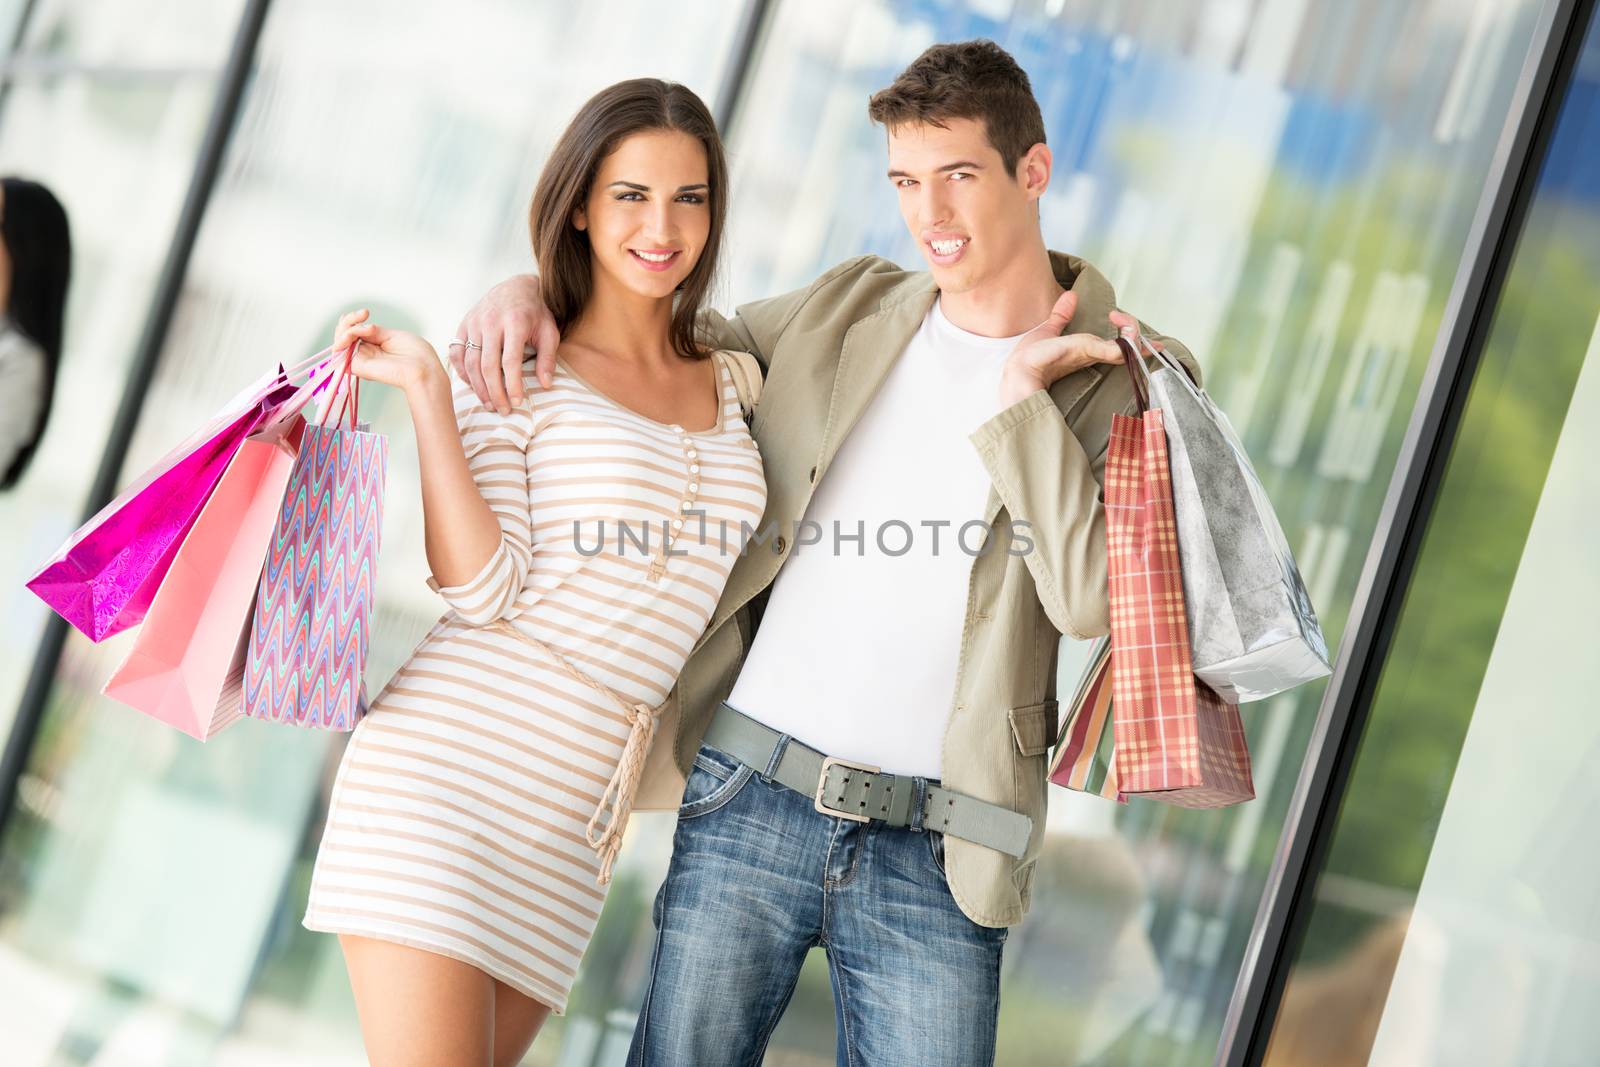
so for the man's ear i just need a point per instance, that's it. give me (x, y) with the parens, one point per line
(1033, 170)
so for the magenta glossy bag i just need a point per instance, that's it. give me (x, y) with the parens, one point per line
(103, 579)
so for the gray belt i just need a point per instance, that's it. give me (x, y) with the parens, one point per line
(861, 793)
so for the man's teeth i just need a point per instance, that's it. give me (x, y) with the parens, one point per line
(654, 257)
(947, 248)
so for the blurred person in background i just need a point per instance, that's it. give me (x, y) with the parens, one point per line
(864, 733)
(35, 264)
(480, 803)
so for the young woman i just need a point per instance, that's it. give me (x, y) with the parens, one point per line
(35, 262)
(577, 539)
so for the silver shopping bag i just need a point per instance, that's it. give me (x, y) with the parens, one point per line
(1252, 629)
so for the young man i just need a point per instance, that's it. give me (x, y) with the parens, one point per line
(876, 689)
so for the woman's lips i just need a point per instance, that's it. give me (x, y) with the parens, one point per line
(651, 258)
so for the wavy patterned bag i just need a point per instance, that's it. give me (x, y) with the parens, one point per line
(309, 633)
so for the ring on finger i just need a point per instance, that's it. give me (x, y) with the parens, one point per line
(473, 344)
(454, 341)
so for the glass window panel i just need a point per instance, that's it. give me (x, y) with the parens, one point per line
(1285, 187)
(1454, 921)
(118, 150)
(136, 41)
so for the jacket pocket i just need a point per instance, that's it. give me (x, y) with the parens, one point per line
(1033, 728)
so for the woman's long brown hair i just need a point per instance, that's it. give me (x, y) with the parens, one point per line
(562, 250)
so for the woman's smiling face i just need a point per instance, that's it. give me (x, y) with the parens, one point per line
(648, 213)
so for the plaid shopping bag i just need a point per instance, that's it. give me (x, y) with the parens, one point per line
(1169, 738)
(307, 656)
(1083, 759)
(1224, 756)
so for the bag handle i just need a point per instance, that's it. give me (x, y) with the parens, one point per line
(350, 386)
(1129, 358)
(1170, 361)
(746, 380)
(323, 372)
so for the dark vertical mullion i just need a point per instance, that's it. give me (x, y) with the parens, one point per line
(19, 33)
(736, 82)
(1286, 902)
(224, 113)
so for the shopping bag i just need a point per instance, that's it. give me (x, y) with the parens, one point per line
(1252, 630)
(306, 660)
(1083, 759)
(103, 579)
(1162, 742)
(186, 666)
(1224, 755)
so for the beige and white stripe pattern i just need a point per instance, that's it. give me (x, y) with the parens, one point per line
(457, 819)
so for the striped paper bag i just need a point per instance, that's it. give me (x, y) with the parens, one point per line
(1083, 760)
(1170, 739)
(307, 656)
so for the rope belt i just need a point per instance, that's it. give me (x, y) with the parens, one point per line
(619, 794)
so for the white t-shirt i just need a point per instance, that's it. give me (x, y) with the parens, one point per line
(856, 654)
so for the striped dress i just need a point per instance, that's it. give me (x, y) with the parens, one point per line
(457, 821)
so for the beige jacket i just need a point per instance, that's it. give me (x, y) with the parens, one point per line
(827, 348)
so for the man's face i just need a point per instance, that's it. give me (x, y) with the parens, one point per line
(969, 214)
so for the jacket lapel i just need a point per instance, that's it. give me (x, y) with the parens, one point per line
(870, 348)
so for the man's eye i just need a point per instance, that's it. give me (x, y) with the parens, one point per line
(959, 176)
(905, 183)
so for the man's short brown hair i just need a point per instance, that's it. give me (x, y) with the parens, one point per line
(968, 80)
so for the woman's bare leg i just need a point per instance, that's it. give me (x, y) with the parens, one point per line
(518, 1019)
(418, 1008)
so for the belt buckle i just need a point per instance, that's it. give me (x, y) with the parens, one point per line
(822, 783)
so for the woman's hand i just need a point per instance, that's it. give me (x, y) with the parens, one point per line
(393, 357)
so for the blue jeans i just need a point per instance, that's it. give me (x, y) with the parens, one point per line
(759, 876)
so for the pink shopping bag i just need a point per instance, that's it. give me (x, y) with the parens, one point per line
(186, 667)
(309, 631)
(103, 579)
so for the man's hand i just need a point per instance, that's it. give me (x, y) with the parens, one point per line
(1045, 355)
(508, 324)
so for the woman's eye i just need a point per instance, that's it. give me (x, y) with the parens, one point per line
(692, 198)
(629, 196)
